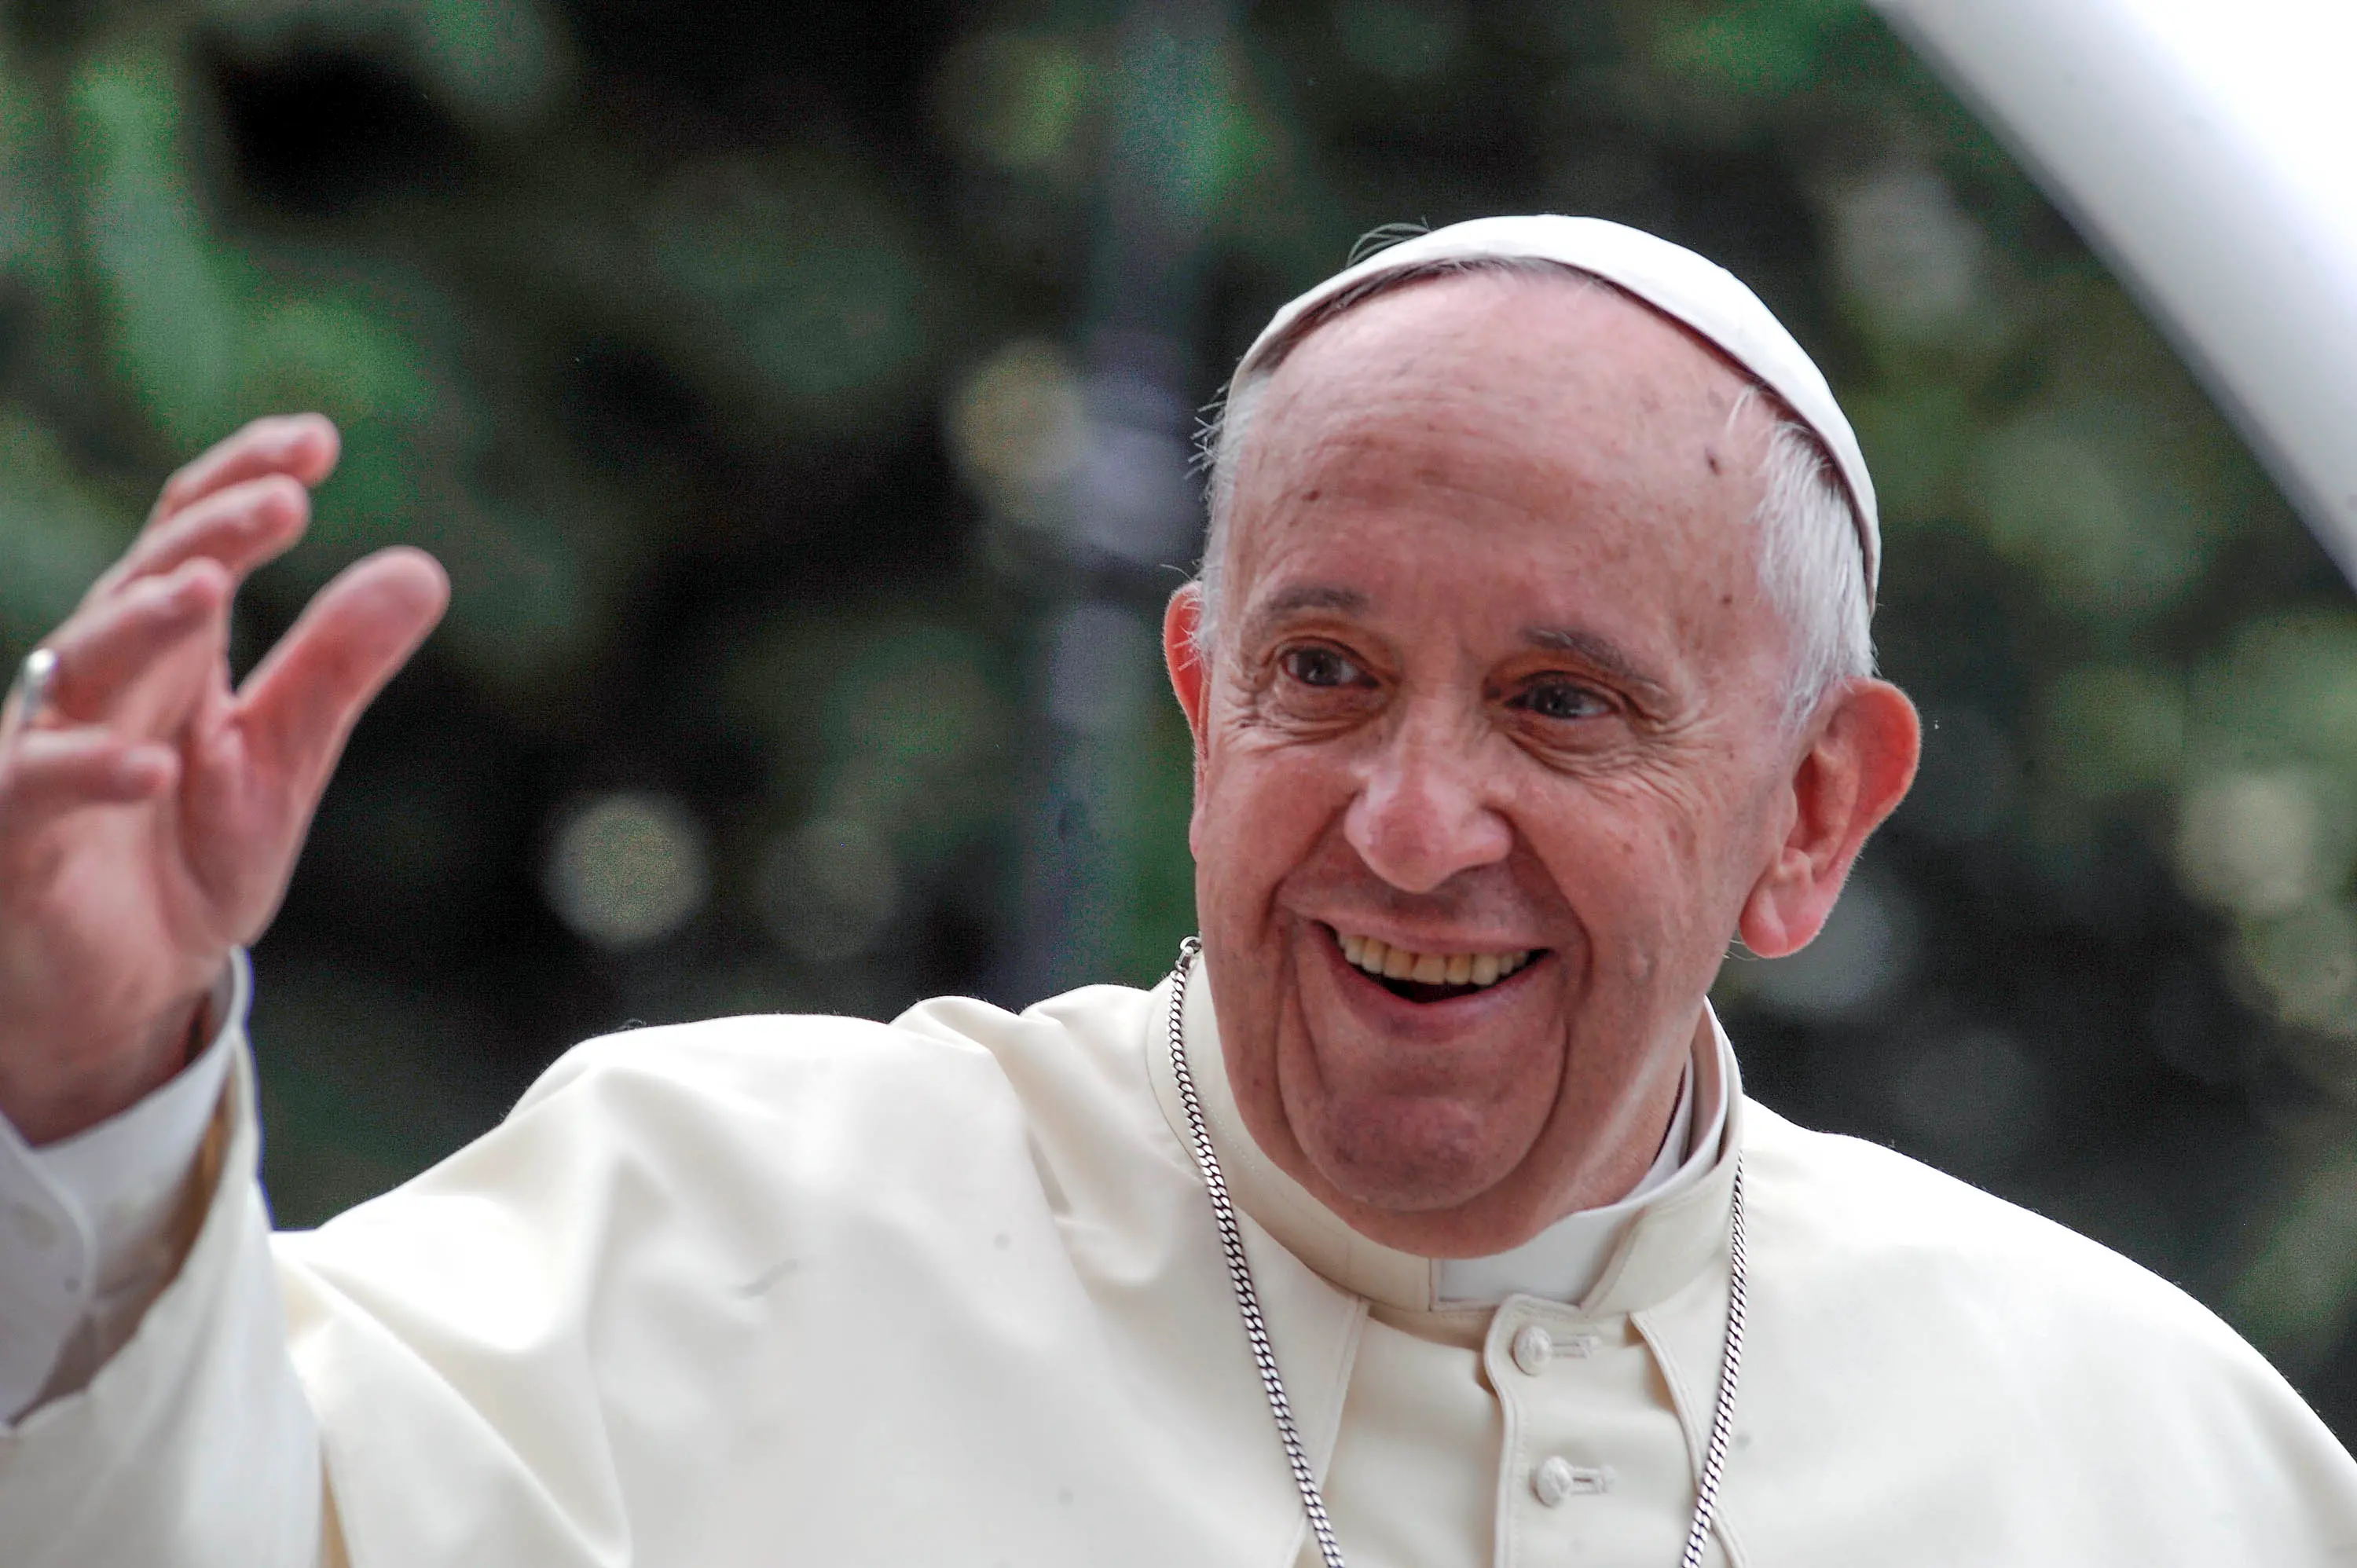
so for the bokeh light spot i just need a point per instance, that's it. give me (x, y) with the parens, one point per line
(1016, 422)
(1013, 101)
(625, 869)
(2254, 842)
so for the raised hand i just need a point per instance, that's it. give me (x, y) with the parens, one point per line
(150, 816)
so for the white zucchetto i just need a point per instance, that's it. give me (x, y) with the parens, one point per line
(1701, 294)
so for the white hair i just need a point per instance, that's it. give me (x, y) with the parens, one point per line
(1811, 564)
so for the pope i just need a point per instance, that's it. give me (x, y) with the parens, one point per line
(1419, 1218)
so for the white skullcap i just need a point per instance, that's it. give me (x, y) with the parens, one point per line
(1703, 295)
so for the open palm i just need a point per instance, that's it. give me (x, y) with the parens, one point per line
(150, 815)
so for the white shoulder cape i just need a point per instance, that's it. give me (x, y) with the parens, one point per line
(817, 1290)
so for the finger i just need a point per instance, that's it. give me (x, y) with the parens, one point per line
(298, 707)
(46, 773)
(242, 527)
(303, 446)
(127, 641)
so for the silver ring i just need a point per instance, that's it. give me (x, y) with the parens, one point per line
(34, 678)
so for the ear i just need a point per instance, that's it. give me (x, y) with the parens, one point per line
(1852, 777)
(1189, 677)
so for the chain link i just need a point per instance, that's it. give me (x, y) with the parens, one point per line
(1264, 1353)
(1730, 1371)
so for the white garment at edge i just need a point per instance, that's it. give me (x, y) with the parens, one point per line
(92, 1227)
(813, 1290)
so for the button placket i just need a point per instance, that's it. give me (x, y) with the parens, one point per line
(1593, 1465)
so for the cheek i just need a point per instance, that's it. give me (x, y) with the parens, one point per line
(1635, 859)
(1261, 808)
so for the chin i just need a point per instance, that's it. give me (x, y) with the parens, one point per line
(1424, 1158)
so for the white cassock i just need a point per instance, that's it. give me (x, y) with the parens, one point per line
(816, 1290)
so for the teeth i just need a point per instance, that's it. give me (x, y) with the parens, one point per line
(1475, 969)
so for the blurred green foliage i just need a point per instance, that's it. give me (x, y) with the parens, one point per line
(728, 354)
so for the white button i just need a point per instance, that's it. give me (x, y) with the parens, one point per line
(1551, 1482)
(1558, 1478)
(1532, 1348)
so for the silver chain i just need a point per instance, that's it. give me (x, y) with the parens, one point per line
(1730, 1369)
(1232, 1243)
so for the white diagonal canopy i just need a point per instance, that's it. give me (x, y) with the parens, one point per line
(2210, 151)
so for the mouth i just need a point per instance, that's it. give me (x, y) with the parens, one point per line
(1428, 977)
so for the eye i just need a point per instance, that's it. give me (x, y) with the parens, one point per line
(1318, 665)
(1560, 700)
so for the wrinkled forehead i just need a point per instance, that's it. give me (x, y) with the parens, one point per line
(1550, 361)
(1586, 363)
(1513, 449)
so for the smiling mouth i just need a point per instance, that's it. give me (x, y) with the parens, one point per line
(1416, 976)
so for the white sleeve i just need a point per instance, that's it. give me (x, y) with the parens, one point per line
(192, 1445)
(87, 1238)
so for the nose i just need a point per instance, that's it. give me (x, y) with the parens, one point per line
(1422, 814)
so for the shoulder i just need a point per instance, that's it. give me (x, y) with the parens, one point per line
(948, 1067)
(1845, 1204)
(945, 1041)
(742, 1059)
(1918, 1327)
(1864, 1223)
(955, 1109)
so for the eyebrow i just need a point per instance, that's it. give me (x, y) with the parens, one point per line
(1316, 597)
(1303, 596)
(1599, 651)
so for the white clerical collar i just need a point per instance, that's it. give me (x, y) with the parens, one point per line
(1562, 1262)
(1648, 1243)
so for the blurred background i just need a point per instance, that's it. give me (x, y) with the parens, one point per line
(802, 399)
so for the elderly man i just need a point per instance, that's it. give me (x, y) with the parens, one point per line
(1420, 1220)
